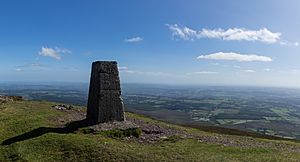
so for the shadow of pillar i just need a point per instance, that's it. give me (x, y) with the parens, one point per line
(69, 128)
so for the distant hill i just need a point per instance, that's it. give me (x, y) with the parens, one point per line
(267, 111)
(39, 131)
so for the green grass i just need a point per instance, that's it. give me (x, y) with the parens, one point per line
(19, 117)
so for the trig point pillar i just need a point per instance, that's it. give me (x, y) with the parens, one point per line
(104, 102)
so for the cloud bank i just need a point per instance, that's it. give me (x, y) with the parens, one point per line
(53, 52)
(232, 34)
(231, 56)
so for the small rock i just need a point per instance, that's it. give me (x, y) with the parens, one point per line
(163, 137)
(62, 107)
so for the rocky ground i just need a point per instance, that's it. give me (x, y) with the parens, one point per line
(156, 132)
(4, 99)
(151, 132)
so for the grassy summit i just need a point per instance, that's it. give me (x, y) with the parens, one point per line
(35, 131)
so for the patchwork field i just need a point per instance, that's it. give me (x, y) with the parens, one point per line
(270, 111)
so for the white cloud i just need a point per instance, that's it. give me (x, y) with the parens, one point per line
(134, 39)
(182, 32)
(149, 73)
(287, 43)
(215, 64)
(267, 69)
(62, 50)
(37, 65)
(249, 71)
(53, 52)
(123, 68)
(239, 34)
(231, 56)
(129, 71)
(30, 65)
(202, 72)
(145, 73)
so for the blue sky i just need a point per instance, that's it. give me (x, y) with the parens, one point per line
(172, 42)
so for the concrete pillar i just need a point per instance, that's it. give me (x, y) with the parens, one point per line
(104, 102)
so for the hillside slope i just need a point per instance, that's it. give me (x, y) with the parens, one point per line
(36, 131)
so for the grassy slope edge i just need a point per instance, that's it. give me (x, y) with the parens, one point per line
(23, 116)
